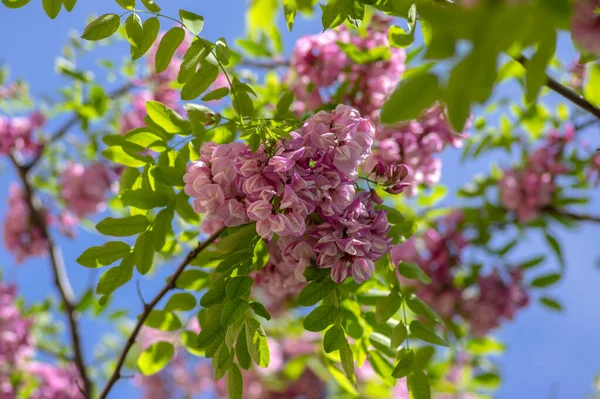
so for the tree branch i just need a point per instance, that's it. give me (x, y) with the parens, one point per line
(582, 217)
(564, 91)
(273, 64)
(148, 308)
(61, 281)
(70, 123)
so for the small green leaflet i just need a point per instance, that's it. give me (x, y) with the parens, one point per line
(102, 27)
(347, 358)
(239, 287)
(193, 22)
(421, 308)
(134, 30)
(411, 97)
(114, 278)
(335, 339)
(144, 198)
(316, 290)
(155, 357)
(412, 271)
(546, 280)
(406, 360)
(151, 5)
(126, 4)
(418, 385)
(210, 334)
(216, 94)
(222, 51)
(399, 334)
(181, 301)
(387, 307)
(233, 311)
(52, 7)
(418, 330)
(200, 81)
(123, 227)
(551, 303)
(260, 310)
(241, 350)
(256, 340)
(143, 252)
(103, 255)
(150, 33)
(320, 318)
(16, 3)
(167, 47)
(193, 280)
(235, 383)
(162, 320)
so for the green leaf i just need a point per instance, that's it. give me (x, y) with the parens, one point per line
(102, 27)
(123, 227)
(412, 271)
(487, 380)
(335, 339)
(592, 82)
(104, 255)
(536, 67)
(484, 346)
(52, 7)
(162, 320)
(169, 175)
(284, 103)
(126, 4)
(256, 340)
(235, 383)
(546, 280)
(551, 303)
(181, 301)
(320, 318)
(239, 239)
(555, 245)
(316, 290)
(216, 94)
(381, 366)
(143, 198)
(260, 310)
(406, 360)
(151, 5)
(418, 385)
(15, 3)
(69, 4)
(239, 287)
(143, 252)
(169, 43)
(193, 22)
(169, 120)
(387, 307)
(418, 330)
(211, 333)
(335, 12)
(222, 51)
(212, 297)
(114, 278)
(124, 157)
(399, 38)
(421, 308)
(200, 81)
(134, 30)
(399, 334)
(241, 350)
(155, 357)
(533, 262)
(233, 311)
(347, 359)
(161, 228)
(193, 280)
(343, 381)
(150, 33)
(411, 97)
(192, 57)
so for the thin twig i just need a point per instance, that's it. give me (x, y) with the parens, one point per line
(564, 91)
(147, 309)
(582, 217)
(274, 64)
(586, 124)
(71, 122)
(61, 281)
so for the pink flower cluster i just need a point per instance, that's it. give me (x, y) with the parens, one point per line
(83, 188)
(13, 91)
(304, 192)
(17, 134)
(585, 25)
(528, 190)
(483, 305)
(21, 237)
(16, 349)
(318, 63)
(416, 145)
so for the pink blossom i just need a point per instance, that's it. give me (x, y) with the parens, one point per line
(16, 342)
(585, 25)
(55, 382)
(83, 188)
(17, 134)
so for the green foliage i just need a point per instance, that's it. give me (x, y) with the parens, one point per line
(411, 97)
(235, 383)
(412, 271)
(104, 255)
(335, 339)
(15, 3)
(102, 27)
(418, 330)
(239, 287)
(200, 81)
(52, 7)
(233, 311)
(418, 385)
(123, 227)
(546, 280)
(167, 47)
(143, 252)
(406, 360)
(387, 307)
(155, 357)
(162, 320)
(114, 278)
(193, 22)
(151, 5)
(181, 301)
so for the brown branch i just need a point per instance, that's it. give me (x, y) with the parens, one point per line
(564, 91)
(274, 64)
(70, 123)
(582, 217)
(61, 280)
(148, 308)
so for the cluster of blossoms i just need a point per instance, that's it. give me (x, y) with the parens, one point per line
(13, 91)
(482, 305)
(318, 63)
(585, 25)
(83, 187)
(17, 134)
(304, 192)
(16, 349)
(528, 190)
(21, 236)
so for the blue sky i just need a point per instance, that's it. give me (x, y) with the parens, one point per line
(549, 355)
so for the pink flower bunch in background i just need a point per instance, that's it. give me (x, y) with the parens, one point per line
(21, 237)
(585, 25)
(439, 253)
(84, 187)
(16, 350)
(318, 63)
(13, 91)
(304, 193)
(17, 134)
(528, 190)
